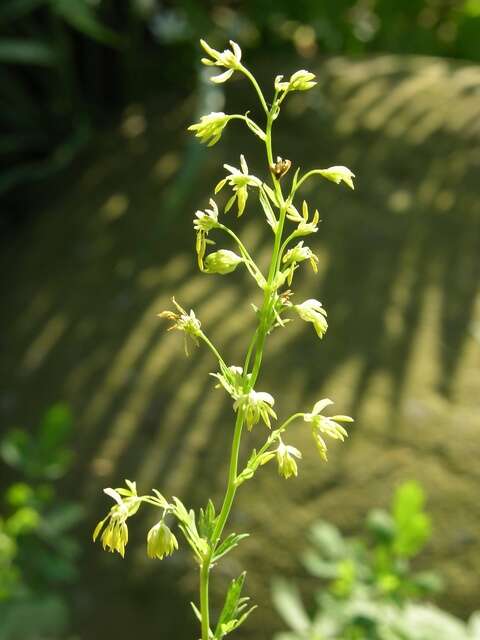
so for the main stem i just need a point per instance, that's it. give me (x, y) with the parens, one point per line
(257, 343)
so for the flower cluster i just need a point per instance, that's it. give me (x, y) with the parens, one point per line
(326, 426)
(255, 405)
(229, 59)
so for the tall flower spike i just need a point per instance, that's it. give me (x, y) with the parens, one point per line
(256, 405)
(183, 321)
(229, 59)
(239, 181)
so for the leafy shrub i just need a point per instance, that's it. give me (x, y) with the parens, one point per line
(38, 553)
(369, 589)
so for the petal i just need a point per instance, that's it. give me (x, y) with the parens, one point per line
(223, 77)
(236, 50)
(321, 405)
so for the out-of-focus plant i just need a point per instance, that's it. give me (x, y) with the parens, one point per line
(275, 200)
(369, 589)
(38, 552)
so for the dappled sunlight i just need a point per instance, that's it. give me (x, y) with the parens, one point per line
(399, 274)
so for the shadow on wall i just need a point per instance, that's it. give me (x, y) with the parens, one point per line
(399, 274)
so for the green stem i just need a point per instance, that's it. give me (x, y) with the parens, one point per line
(247, 73)
(204, 608)
(212, 347)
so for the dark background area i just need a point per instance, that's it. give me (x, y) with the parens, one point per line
(98, 183)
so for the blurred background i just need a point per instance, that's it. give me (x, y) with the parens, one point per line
(98, 184)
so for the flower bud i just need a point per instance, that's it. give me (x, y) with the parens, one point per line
(222, 262)
(302, 80)
(160, 541)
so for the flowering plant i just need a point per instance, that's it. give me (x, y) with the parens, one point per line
(204, 531)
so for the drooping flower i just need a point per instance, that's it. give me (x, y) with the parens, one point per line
(338, 175)
(222, 262)
(210, 127)
(115, 530)
(256, 405)
(312, 311)
(286, 455)
(183, 321)
(229, 59)
(239, 181)
(160, 541)
(326, 426)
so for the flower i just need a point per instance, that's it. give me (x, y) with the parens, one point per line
(208, 219)
(231, 379)
(229, 59)
(188, 323)
(328, 426)
(239, 181)
(256, 405)
(204, 222)
(338, 175)
(299, 81)
(160, 541)
(286, 455)
(299, 253)
(115, 533)
(313, 311)
(210, 127)
(222, 262)
(304, 227)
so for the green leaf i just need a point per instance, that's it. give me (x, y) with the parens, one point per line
(413, 526)
(329, 541)
(288, 603)
(228, 544)
(29, 52)
(264, 201)
(81, 16)
(233, 613)
(207, 520)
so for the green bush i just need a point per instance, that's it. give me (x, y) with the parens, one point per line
(369, 590)
(38, 552)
